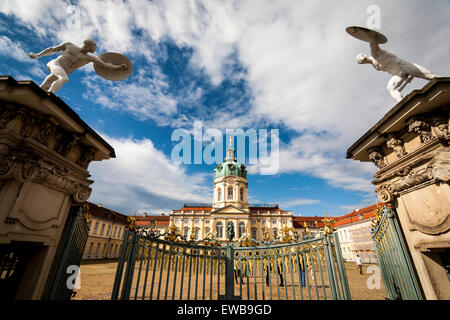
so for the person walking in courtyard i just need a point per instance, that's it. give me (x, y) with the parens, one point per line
(302, 271)
(359, 263)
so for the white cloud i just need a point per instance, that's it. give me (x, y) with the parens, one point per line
(143, 178)
(299, 61)
(297, 202)
(147, 97)
(14, 50)
(11, 49)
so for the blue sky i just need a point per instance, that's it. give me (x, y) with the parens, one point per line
(286, 65)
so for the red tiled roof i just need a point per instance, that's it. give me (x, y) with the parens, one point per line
(351, 217)
(366, 213)
(298, 222)
(146, 221)
(101, 212)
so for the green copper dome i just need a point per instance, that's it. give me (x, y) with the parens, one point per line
(230, 167)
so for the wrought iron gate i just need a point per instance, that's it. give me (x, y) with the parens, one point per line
(153, 268)
(14, 259)
(396, 268)
(69, 253)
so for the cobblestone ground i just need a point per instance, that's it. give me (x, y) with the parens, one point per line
(97, 279)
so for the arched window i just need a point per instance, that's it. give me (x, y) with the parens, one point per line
(219, 194)
(241, 228)
(230, 193)
(241, 194)
(219, 230)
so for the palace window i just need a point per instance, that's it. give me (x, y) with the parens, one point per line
(230, 193)
(103, 229)
(219, 194)
(115, 231)
(275, 232)
(207, 230)
(197, 221)
(241, 194)
(219, 229)
(196, 233)
(186, 231)
(241, 229)
(96, 228)
(109, 230)
(254, 230)
(90, 248)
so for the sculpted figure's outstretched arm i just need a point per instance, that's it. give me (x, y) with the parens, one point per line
(363, 59)
(108, 65)
(48, 51)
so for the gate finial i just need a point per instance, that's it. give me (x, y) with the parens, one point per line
(327, 229)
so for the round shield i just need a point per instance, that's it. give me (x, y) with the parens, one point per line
(365, 34)
(114, 74)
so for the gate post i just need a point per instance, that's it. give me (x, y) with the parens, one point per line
(229, 273)
(131, 259)
(410, 148)
(330, 267)
(119, 271)
(341, 268)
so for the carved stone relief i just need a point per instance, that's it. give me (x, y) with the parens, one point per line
(377, 156)
(46, 130)
(422, 128)
(87, 155)
(428, 209)
(397, 145)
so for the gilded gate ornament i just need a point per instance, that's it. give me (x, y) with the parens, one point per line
(132, 223)
(86, 214)
(328, 228)
(286, 235)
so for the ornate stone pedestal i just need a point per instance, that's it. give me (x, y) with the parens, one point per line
(410, 147)
(45, 150)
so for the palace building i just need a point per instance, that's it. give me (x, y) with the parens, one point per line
(230, 206)
(105, 233)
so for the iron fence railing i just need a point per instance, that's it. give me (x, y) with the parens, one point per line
(152, 268)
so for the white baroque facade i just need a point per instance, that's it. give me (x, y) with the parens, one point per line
(230, 205)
